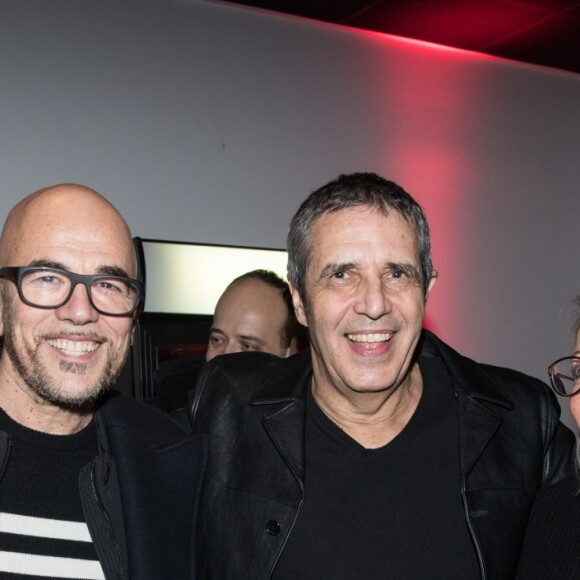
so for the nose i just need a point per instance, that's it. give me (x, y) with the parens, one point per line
(78, 308)
(232, 347)
(372, 299)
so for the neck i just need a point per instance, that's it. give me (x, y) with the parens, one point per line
(372, 419)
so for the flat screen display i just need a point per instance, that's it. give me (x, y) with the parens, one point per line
(185, 278)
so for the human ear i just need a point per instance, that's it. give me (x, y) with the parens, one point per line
(298, 306)
(434, 277)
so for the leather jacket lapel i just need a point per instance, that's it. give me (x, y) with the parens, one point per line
(477, 425)
(472, 386)
(286, 430)
(285, 424)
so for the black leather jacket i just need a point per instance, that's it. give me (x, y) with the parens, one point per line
(253, 408)
(140, 494)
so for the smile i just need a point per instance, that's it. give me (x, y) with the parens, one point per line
(73, 347)
(373, 337)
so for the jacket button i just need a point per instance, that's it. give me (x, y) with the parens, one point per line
(273, 528)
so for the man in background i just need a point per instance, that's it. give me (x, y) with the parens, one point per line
(254, 313)
(380, 452)
(92, 484)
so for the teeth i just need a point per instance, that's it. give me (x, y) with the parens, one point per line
(373, 337)
(73, 347)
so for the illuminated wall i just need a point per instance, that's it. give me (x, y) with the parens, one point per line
(210, 123)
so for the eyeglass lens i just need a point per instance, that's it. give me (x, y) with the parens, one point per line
(51, 288)
(566, 375)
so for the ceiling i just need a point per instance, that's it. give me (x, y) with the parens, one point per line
(543, 32)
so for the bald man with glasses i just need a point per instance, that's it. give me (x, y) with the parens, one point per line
(92, 484)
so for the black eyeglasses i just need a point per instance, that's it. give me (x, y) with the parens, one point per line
(565, 376)
(52, 288)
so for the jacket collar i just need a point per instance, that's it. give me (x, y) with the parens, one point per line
(289, 379)
(476, 391)
(287, 382)
(468, 377)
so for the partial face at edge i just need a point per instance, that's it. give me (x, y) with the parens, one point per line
(575, 400)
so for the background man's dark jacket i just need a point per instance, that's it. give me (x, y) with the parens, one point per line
(253, 407)
(140, 494)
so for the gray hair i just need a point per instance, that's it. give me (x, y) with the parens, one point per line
(576, 321)
(351, 191)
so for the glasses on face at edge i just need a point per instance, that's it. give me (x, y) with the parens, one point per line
(565, 376)
(43, 287)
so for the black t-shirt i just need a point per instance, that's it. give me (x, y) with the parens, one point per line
(390, 513)
(43, 532)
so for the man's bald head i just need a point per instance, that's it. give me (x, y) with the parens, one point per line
(61, 207)
(254, 313)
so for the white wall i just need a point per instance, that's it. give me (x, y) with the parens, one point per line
(207, 122)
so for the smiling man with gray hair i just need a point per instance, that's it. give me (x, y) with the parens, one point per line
(380, 452)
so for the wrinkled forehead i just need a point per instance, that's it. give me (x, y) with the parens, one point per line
(82, 231)
(360, 222)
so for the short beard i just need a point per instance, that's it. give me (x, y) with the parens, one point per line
(32, 372)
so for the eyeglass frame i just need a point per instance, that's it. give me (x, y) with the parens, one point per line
(15, 274)
(551, 374)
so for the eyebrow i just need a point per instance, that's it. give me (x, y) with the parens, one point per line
(238, 336)
(409, 269)
(113, 271)
(251, 338)
(106, 270)
(331, 269)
